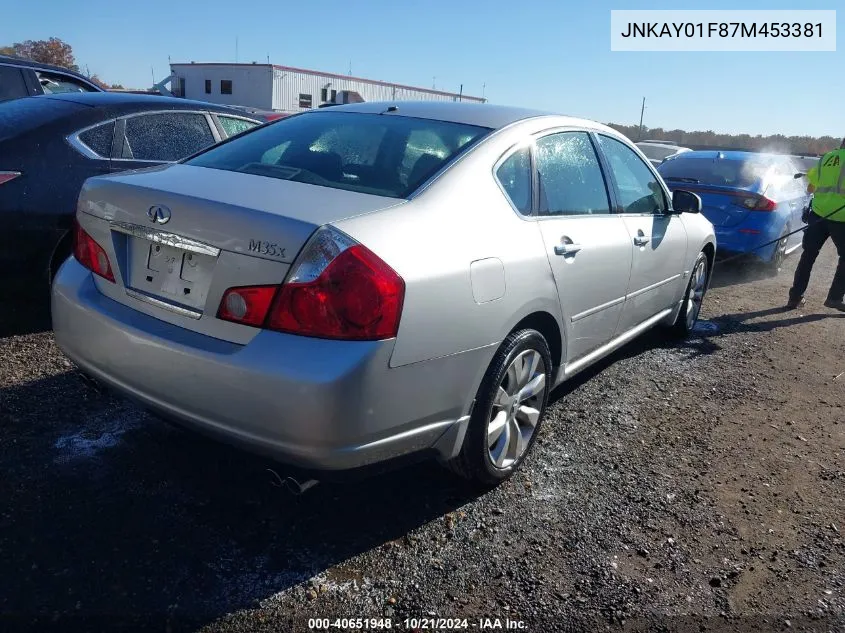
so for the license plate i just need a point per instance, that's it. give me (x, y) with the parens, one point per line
(170, 273)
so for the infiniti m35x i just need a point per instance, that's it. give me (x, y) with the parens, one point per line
(364, 282)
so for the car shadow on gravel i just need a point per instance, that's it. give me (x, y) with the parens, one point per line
(758, 321)
(23, 312)
(110, 515)
(738, 272)
(698, 344)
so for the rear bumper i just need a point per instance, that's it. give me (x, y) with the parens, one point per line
(746, 239)
(313, 403)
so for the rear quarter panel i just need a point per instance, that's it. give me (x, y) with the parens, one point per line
(433, 240)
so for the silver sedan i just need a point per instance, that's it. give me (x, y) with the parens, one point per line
(355, 284)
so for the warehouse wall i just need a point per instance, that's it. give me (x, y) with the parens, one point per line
(289, 85)
(251, 84)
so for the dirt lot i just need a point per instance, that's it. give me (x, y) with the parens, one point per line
(675, 487)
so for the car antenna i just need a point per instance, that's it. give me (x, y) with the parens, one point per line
(392, 108)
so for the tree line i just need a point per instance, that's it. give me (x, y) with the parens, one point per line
(51, 51)
(777, 143)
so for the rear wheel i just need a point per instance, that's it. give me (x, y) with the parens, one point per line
(62, 251)
(774, 265)
(693, 298)
(508, 410)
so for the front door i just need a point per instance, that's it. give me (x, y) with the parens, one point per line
(658, 237)
(587, 245)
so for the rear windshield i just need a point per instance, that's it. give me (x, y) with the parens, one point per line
(742, 174)
(656, 152)
(21, 115)
(386, 155)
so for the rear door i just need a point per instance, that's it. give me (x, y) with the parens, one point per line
(154, 138)
(658, 237)
(587, 244)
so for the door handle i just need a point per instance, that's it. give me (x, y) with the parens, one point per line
(641, 240)
(566, 249)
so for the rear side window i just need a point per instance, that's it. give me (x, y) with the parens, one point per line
(369, 153)
(12, 85)
(514, 174)
(99, 139)
(167, 136)
(569, 176)
(232, 125)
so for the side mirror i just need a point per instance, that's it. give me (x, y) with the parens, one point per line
(685, 202)
(799, 175)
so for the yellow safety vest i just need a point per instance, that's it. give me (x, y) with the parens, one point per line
(828, 177)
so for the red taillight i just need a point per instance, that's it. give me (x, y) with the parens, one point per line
(247, 305)
(6, 176)
(759, 203)
(90, 254)
(339, 289)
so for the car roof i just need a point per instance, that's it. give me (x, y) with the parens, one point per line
(129, 101)
(28, 63)
(732, 155)
(481, 114)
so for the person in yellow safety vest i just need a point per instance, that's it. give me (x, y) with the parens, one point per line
(827, 219)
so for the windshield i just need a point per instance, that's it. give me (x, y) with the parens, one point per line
(386, 155)
(741, 174)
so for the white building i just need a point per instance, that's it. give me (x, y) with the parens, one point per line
(285, 89)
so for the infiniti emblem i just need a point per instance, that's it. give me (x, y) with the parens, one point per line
(159, 214)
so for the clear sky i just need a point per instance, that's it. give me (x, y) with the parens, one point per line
(550, 54)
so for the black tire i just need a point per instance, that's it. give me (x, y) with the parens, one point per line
(61, 252)
(684, 325)
(773, 267)
(475, 461)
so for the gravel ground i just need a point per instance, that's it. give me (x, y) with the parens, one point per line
(692, 487)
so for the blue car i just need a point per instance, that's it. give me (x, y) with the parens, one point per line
(750, 198)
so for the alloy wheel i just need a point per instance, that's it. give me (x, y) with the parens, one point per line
(516, 409)
(698, 286)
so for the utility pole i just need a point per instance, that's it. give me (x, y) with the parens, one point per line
(236, 49)
(433, 83)
(642, 112)
(350, 67)
(461, 93)
(484, 90)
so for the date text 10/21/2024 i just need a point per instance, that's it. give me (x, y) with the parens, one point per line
(417, 624)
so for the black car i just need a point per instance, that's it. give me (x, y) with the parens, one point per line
(50, 144)
(26, 78)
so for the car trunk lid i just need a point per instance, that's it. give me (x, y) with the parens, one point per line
(723, 206)
(179, 236)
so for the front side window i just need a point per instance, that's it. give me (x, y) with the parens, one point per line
(514, 174)
(166, 136)
(99, 139)
(569, 176)
(346, 150)
(639, 190)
